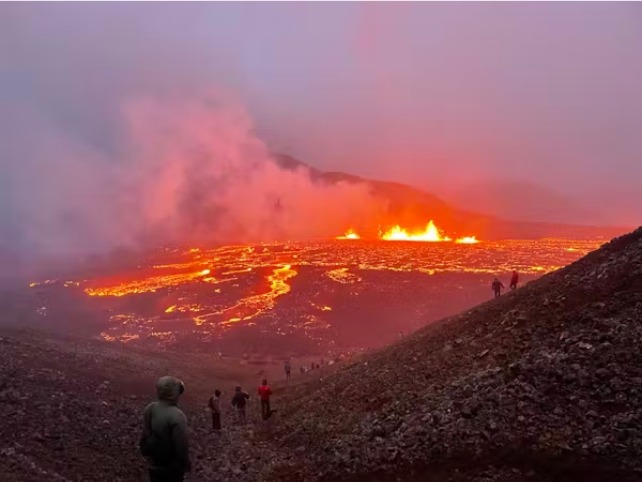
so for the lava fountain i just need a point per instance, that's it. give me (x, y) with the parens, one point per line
(349, 234)
(430, 234)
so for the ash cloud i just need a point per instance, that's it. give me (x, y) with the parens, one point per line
(185, 169)
(204, 177)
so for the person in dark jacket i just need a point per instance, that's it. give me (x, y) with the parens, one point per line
(514, 279)
(239, 401)
(497, 287)
(164, 440)
(215, 407)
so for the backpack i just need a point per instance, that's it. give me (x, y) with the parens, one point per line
(153, 446)
(211, 403)
(148, 444)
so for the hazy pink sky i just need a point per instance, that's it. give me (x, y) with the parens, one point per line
(416, 92)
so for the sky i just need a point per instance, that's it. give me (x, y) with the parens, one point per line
(439, 95)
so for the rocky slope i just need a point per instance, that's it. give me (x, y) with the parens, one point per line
(71, 411)
(542, 384)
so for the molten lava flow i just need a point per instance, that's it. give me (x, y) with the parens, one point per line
(349, 234)
(253, 306)
(430, 234)
(342, 275)
(467, 240)
(146, 285)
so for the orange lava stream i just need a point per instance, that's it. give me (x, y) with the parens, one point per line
(253, 306)
(146, 285)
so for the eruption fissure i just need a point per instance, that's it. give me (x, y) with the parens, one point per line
(431, 234)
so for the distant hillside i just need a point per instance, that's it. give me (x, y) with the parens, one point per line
(525, 201)
(412, 207)
(543, 384)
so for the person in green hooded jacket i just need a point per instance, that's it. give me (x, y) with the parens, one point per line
(164, 440)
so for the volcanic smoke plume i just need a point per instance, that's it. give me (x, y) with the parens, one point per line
(185, 169)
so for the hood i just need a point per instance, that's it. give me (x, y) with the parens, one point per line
(168, 389)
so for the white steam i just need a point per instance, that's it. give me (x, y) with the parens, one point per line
(187, 169)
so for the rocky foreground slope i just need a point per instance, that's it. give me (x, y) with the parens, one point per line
(542, 384)
(71, 410)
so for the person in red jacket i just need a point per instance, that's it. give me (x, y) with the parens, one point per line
(264, 395)
(514, 280)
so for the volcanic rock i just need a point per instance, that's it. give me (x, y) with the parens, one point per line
(555, 396)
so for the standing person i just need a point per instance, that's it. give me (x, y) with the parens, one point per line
(288, 368)
(514, 279)
(239, 401)
(497, 287)
(215, 407)
(264, 395)
(164, 439)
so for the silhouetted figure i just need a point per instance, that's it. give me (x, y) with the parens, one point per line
(497, 287)
(514, 279)
(287, 367)
(264, 394)
(215, 407)
(239, 401)
(164, 438)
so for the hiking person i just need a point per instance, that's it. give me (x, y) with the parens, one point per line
(514, 279)
(264, 395)
(287, 367)
(497, 287)
(164, 439)
(215, 407)
(239, 401)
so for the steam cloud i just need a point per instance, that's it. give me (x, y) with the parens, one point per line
(187, 169)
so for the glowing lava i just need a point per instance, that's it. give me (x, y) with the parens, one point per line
(430, 234)
(146, 285)
(253, 306)
(467, 240)
(349, 234)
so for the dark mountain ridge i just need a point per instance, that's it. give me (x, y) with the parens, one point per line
(412, 207)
